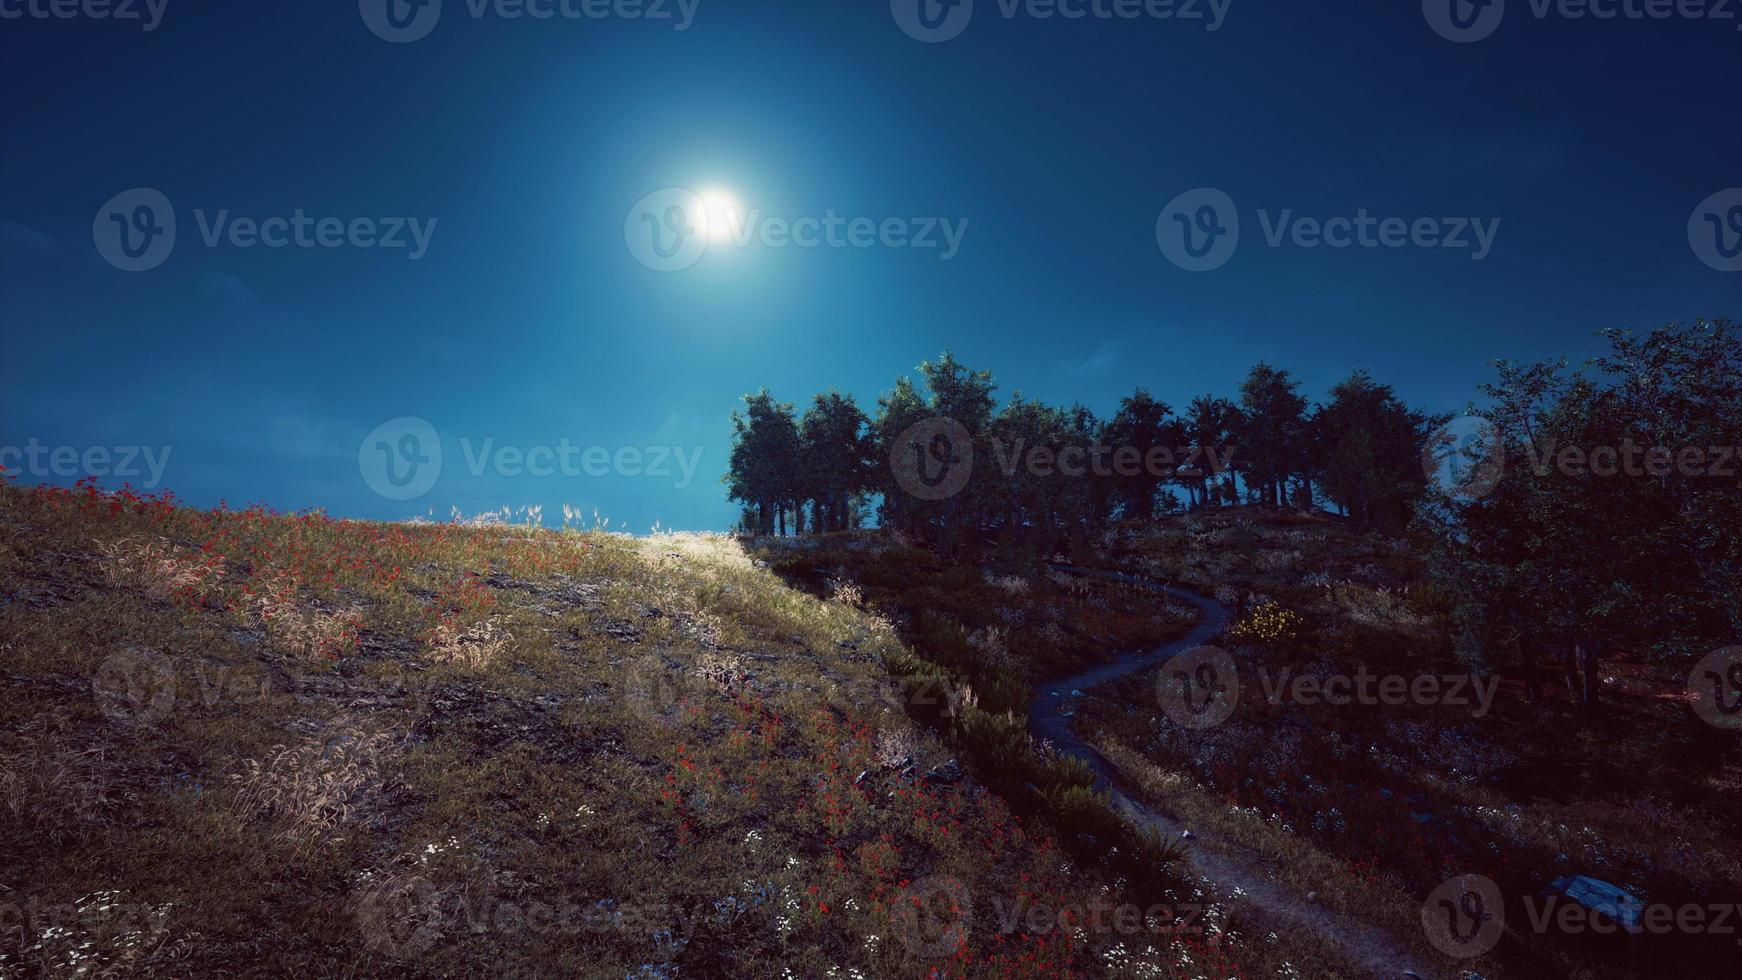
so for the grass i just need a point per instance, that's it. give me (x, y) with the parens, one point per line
(245, 743)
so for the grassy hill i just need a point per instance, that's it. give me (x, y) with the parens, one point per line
(246, 742)
(240, 742)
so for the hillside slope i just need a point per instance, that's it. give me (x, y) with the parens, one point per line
(240, 742)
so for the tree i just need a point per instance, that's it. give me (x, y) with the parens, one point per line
(1367, 451)
(897, 411)
(762, 472)
(1142, 423)
(964, 395)
(1605, 532)
(1271, 431)
(835, 459)
(1210, 425)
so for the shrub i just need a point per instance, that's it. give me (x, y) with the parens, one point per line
(1268, 624)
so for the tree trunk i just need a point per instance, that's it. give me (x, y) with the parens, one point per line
(1591, 662)
(1570, 665)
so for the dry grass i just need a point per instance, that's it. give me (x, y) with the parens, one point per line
(488, 749)
(309, 792)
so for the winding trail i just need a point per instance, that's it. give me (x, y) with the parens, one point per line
(1376, 951)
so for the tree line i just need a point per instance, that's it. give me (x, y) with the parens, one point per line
(834, 466)
(1592, 510)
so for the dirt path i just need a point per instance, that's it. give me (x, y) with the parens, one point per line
(1378, 952)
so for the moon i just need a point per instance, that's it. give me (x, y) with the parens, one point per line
(721, 215)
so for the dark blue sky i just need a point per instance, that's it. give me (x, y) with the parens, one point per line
(529, 321)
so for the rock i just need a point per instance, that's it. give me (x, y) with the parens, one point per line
(949, 772)
(1600, 896)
